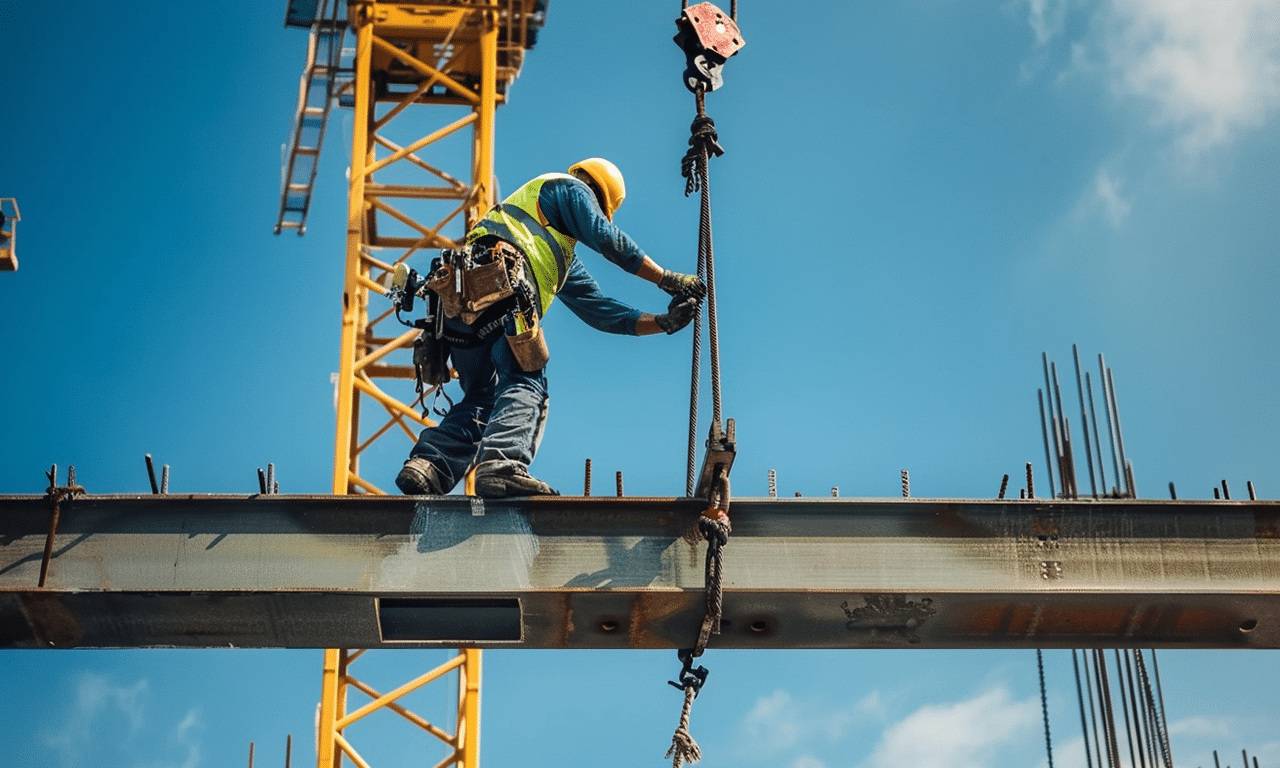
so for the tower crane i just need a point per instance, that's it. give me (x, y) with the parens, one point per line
(459, 58)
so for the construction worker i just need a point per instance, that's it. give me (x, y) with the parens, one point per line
(497, 425)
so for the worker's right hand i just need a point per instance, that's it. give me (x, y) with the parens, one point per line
(682, 286)
(680, 312)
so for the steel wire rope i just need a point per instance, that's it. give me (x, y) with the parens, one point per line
(698, 177)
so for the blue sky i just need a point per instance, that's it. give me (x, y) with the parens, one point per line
(917, 199)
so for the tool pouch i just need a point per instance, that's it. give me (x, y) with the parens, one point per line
(529, 347)
(485, 285)
(431, 360)
(444, 282)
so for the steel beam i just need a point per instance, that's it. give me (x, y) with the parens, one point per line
(592, 572)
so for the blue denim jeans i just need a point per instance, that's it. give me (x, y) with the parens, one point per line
(499, 418)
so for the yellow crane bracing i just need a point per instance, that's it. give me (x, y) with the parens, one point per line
(460, 58)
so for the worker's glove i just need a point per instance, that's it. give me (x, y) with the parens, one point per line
(680, 312)
(680, 286)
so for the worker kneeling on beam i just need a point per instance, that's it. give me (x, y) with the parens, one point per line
(488, 301)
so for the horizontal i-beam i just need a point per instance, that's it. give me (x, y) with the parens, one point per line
(591, 572)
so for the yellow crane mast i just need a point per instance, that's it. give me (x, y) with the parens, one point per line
(460, 58)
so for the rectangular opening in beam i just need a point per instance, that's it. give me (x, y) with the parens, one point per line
(437, 619)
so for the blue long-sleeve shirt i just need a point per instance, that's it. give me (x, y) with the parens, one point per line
(571, 207)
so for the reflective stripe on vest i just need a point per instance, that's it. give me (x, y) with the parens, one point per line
(519, 221)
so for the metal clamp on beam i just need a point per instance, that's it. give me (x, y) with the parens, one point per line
(722, 448)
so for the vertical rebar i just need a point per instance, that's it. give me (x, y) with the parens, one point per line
(619, 479)
(906, 485)
(1163, 719)
(835, 490)
(1097, 436)
(1226, 492)
(1068, 481)
(1068, 471)
(1031, 483)
(1108, 708)
(1044, 707)
(1084, 723)
(288, 750)
(1084, 423)
(164, 479)
(262, 481)
(1004, 486)
(1053, 428)
(271, 478)
(1044, 432)
(1111, 429)
(1252, 496)
(773, 484)
(1217, 493)
(1133, 706)
(1173, 492)
(1093, 712)
(1115, 409)
(151, 474)
(251, 754)
(586, 481)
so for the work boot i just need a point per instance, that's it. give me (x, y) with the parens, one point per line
(503, 479)
(418, 477)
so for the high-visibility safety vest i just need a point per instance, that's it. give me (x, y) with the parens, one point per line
(520, 221)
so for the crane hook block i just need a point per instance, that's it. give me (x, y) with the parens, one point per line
(708, 38)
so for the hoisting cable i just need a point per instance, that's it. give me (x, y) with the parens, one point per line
(707, 38)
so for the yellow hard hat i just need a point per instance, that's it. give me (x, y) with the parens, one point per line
(607, 178)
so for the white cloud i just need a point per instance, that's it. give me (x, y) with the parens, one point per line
(187, 734)
(1106, 193)
(1210, 70)
(1198, 726)
(1046, 18)
(97, 698)
(779, 723)
(961, 735)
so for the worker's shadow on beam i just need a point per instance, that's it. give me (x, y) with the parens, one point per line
(636, 565)
(439, 528)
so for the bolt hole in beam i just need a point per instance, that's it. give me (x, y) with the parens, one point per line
(1248, 625)
(760, 625)
(609, 625)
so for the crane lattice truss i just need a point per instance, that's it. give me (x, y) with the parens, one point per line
(458, 57)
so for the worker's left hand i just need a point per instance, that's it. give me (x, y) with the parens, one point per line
(680, 312)
(682, 286)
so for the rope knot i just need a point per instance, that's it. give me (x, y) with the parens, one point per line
(703, 143)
